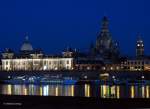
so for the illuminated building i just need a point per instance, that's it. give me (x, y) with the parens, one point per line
(138, 63)
(111, 67)
(86, 63)
(30, 59)
(133, 64)
(104, 55)
(31, 63)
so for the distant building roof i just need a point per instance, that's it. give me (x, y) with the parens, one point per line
(8, 50)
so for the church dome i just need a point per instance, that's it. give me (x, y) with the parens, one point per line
(26, 46)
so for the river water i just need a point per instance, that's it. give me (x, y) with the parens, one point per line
(85, 90)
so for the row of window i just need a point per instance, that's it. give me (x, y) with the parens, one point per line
(136, 62)
(136, 67)
(37, 68)
(45, 62)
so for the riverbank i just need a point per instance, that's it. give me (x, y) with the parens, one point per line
(38, 102)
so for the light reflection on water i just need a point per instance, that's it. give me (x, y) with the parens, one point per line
(103, 91)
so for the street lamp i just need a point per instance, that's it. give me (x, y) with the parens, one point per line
(142, 77)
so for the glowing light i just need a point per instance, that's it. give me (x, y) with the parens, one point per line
(105, 91)
(104, 68)
(87, 90)
(113, 77)
(88, 68)
(147, 91)
(45, 67)
(113, 90)
(56, 91)
(117, 67)
(45, 90)
(118, 92)
(132, 92)
(105, 74)
(9, 90)
(25, 91)
(111, 68)
(85, 77)
(72, 90)
(56, 68)
(41, 91)
(143, 91)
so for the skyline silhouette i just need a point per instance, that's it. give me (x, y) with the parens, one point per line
(55, 25)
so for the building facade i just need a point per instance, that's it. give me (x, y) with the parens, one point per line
(136, 64)
(87, 63)
(45, 63)
(104, 55)
(29, 59)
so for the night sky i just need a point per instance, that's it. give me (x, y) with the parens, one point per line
(56, 24)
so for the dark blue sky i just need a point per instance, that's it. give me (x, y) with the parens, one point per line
(55, 24)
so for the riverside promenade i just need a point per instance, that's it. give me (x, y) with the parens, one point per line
(80, 74)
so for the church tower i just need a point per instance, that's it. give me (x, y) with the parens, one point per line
(105, 46)
(139, 48)
(104, 39)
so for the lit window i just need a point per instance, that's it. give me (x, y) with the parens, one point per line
(111, 68)
(104, 68)
(117, 67)
(88, 68)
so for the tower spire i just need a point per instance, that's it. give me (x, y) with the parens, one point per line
(104, 38)
(105, 24)
(26, 37)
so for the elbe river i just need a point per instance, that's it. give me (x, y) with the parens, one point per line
(84, 90)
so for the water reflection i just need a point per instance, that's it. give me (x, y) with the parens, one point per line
(86, 90)
(140, 91)
(110, 91)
